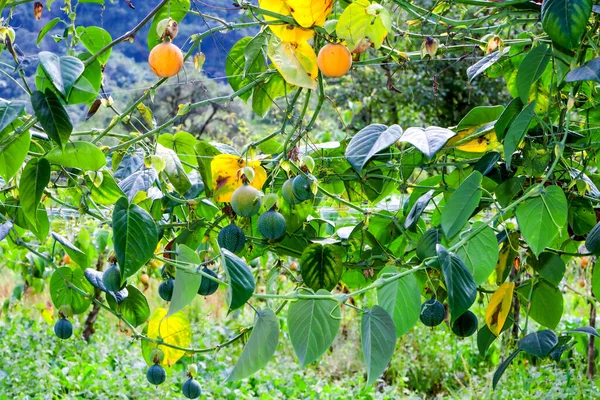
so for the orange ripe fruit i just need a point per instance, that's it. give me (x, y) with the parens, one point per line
(165, 60)
(66, 259)
(334, 60)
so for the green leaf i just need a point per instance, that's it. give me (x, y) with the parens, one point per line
(52, 116)
(550, 267)
(426, 246)
(134, 236)
(417, 209)
(265, 92)
(502, 367)
(260, 347)
(541, 218)
(205, 152)
(401, 299)
(486, 62)
(47, 28)
(590, 71)
(256, 51)
(565, 20)
(587, 330)
(176, 9)
(35, 178)
(485, 337)
(235, 67)
(378, 338)
(107, 192)
(240, 280)
(460, 285)
(321, 266)
(94, 38)
(507, 118)
(462, 204)
(5, 229)
(80, 258)
(517, 131)
(187, 280)
(313, 324)
(546, 303)
(183, 144)
(174, 169)
(480, 253)
(10, 111)
(369, 141)
(533, 66)
(62, 71)
(13, 154)
(429, 140)
(81, 155)
(479, 116)
(86, 88)
(134, 308)
(592, 242)
(539, 344)
(63, 294)
(508, 189)
(596, 283)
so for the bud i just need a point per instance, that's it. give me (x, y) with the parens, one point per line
(192, 370)
(309, 163)
(157, 356)
(65, 311)
(270, 201)
(429, 47)
(167, 29)
(248, 172)
(494, 44)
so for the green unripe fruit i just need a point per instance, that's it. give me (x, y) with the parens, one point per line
(156, 374)
(271, 225)
(165, 289)
(465, 325)
(432, 313)
(302, 187)
(63, 329)
(246, 201)
(111, 278)
(288, 193)
(231, 238)
(208, 286)
(191, 389)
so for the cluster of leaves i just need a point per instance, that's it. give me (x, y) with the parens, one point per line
(498, 204)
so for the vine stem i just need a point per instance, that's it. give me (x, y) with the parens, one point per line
(128, 35)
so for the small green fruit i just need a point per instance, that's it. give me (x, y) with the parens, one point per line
(111, 278)
(465, 325)
(165, 289)
(156, 374)
(231, 238)
(208, 286)
(271, 225)
(288, 193)
(63, 329)
(432, 313)
(246, 201)
(302, 187)
(191, 389)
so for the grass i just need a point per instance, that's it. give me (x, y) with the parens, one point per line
(428, 363)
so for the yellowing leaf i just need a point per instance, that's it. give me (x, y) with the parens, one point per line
(363, 19)
(226, 175)
(499, 307)
(310, 13)
(286, 32)
(296, 62)
(48, 315)
(483, 140)
(174, 330)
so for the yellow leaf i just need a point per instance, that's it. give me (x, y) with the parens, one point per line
(484, 139)
(499, 307)
(286, 32)
(310, 13)
(226, 175)
(47, 315)
(296, 62)
(174, 330)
